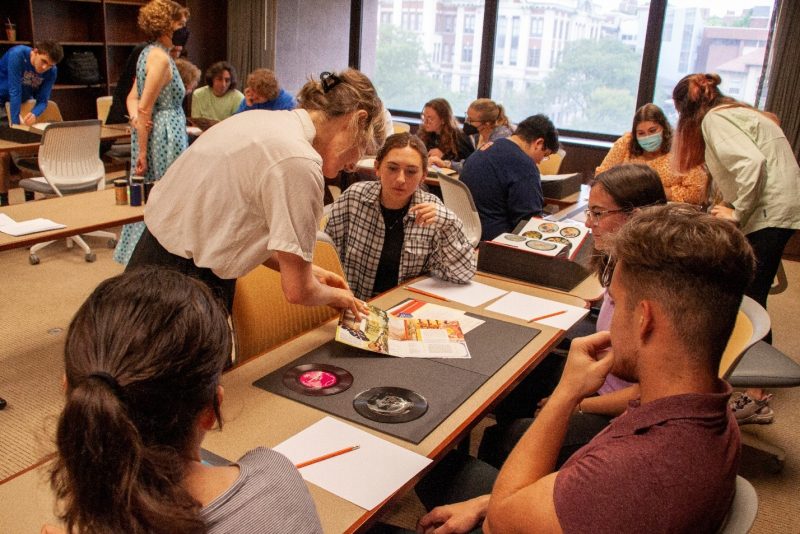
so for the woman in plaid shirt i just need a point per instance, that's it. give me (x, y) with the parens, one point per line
(389, 231)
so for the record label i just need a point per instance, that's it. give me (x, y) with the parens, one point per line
(317, 379)
(390, 404)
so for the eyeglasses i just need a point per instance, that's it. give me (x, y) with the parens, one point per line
(599, 214)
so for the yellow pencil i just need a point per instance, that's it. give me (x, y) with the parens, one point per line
(326, 456)
(547, 316)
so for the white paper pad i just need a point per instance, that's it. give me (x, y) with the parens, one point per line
(527, 307)
(11, 227)
(367, 476)
(471, 294)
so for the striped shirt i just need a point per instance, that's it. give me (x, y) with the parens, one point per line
(268, 496)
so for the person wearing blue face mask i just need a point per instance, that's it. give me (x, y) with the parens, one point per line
(649, 142)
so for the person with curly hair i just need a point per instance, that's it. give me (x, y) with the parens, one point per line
(218, 99)
(155, 106)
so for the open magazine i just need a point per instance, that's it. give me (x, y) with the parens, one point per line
(402, 337)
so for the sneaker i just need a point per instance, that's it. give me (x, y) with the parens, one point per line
(748, 411)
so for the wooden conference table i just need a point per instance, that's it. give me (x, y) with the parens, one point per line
(254, 417)
(81, 213)
(107, 133)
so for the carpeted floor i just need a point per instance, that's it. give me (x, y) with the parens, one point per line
(37, 303)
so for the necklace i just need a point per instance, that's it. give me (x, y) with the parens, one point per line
(391, 218)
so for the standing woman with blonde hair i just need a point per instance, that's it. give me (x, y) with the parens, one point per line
(249, 192)
(155, 106)
(485, 121)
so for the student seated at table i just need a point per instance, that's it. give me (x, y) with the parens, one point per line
(263, 92)
(388, 231)
(649, 142)
(615, 196)
(485, 121)
(219, 98)
(669, 463)
(139, 402)
(25, 73)
(441, 134)
(504, 179)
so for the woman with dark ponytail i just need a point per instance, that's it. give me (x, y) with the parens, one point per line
(143, 360)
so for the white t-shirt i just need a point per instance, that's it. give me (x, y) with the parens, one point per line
(249, 186)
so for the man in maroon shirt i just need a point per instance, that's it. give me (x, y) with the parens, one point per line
(669, 463)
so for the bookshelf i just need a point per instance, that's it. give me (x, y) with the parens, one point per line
(107, 29)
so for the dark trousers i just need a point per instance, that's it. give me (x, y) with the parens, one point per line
(768, 245)
(150, 252)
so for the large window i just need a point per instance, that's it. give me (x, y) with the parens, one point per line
(586, 75)
(579, 62)
(728, 37)
(440, 57)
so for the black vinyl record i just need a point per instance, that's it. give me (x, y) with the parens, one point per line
(317, 379)
(390, 404)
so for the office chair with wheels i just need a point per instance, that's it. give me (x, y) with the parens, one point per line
(26, 160)
(70, 164)
(749, 362)
(263, 318)
(457, 197)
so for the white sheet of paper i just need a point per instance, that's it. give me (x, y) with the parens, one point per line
(527, 307)
(365, 477)
(11, 227)
(470, 294)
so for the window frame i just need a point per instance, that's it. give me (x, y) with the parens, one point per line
(647, 77)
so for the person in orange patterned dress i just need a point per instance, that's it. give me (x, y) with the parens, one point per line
(649, 142)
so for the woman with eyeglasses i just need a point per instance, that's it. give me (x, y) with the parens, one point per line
(249, 192)
(441, 134)
(649, 142)
(485, 121)
(614, 196)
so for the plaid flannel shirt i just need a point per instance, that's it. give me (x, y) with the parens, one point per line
(357, 229)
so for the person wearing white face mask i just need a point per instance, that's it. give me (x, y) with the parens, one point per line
(649, 142)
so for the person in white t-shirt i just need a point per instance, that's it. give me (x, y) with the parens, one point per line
(249, 192)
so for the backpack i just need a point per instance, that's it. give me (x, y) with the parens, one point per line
(82, 68)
